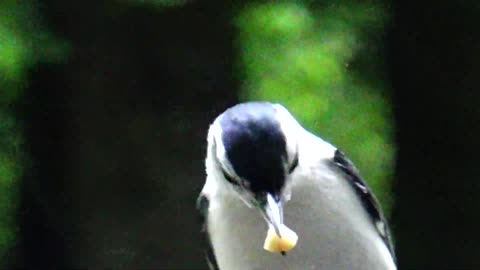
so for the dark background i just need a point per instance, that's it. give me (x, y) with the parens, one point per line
(116, 135)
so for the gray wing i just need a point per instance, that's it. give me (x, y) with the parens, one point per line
(368, 199)
(202, 207)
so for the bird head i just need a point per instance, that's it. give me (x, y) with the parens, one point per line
(253, 149)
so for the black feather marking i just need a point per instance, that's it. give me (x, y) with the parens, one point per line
(202, 206)
(294, 163)
(255, 145)
(368, 199)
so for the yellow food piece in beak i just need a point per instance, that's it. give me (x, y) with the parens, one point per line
(274, 243)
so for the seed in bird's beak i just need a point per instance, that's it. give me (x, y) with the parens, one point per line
(275, 243)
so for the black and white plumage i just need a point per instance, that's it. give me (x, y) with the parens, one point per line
(257, 150)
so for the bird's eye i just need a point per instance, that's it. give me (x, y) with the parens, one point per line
(225, 174)
(229, 178)
(294, 164)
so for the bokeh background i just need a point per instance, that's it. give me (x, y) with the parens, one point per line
(105, 106)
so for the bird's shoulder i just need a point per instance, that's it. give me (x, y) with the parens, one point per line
(202, 205)
(366, 196)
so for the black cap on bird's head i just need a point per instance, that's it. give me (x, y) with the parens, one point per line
(255, 146)
(256, 155)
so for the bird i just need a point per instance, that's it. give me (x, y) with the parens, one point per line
(263, 170)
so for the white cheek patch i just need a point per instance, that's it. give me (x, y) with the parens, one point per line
(287, 192)
(290, 128)
(220, 152)
(246, 199)
(381, 227)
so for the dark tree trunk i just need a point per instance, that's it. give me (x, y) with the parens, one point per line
(117, 135)
(434, 58)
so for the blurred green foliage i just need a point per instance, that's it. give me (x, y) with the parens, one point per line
(23, 43)
(309, 58)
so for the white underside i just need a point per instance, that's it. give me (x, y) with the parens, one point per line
(333, 228)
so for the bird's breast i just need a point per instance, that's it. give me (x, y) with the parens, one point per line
(334, 231)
